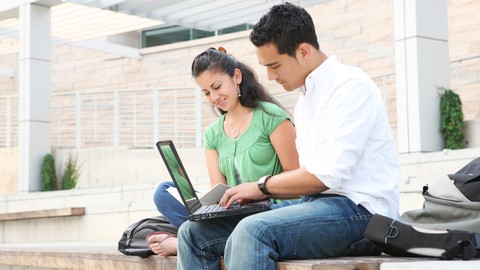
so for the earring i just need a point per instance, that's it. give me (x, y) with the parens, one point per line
(239, 92)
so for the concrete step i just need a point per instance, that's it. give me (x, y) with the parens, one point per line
(107, 212)
(76, 256)
(432, 265)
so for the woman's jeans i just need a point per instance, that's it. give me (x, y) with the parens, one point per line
(318, 226)
(169, 206)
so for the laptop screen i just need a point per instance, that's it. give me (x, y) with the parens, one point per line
(177, 171)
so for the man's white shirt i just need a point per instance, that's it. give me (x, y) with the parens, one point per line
(344, 138)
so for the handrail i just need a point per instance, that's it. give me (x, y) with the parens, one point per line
(138, 117)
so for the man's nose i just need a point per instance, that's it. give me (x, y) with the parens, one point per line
(271, 74)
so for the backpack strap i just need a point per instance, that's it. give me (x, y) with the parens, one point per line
(398, 239)
(467, 248)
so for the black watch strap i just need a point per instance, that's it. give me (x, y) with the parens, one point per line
(261, 184)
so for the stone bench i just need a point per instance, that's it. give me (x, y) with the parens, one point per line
(105, 256)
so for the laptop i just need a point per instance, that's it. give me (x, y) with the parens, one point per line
(196, 209)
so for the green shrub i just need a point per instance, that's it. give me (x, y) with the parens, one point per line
(71, 173)
(49, 176)
(451, 119)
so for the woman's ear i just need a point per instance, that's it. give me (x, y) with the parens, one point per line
(237, 76)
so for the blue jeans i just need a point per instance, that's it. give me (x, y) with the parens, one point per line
(169, 206)
(318, 226)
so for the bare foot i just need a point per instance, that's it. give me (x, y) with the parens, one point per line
(163, 243)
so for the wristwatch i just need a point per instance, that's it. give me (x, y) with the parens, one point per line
(261, 184)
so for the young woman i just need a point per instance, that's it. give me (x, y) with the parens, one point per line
(252, 137)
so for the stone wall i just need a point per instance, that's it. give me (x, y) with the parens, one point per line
(360, 33)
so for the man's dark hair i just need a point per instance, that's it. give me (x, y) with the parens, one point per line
(286, 26)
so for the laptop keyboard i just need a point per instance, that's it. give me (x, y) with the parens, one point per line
(217, 207)
(213, 208)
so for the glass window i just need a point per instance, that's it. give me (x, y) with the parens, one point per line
(196, 34)
(173, 34)
(236, 28)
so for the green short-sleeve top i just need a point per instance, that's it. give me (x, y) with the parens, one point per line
(253, 151)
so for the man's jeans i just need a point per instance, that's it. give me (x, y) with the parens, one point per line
(319, 226)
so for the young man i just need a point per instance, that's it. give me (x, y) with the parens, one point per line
(348, 162)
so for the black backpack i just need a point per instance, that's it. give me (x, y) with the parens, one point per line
(448, 225)
(133, 241)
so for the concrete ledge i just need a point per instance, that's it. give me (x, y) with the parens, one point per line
(343, 263)
(433, 265)
(106, 256)
(76, 256)
(48, 213)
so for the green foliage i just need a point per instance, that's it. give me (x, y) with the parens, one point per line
(49, 176)
(71, 173)
(451, 119)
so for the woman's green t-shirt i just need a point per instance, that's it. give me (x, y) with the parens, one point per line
(253, 150)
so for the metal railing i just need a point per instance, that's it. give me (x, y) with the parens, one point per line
(8, 117)
(136, 118)
(139, 117)
(465, 71)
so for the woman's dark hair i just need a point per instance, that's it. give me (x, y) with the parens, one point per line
(251, 90)
(286, 26)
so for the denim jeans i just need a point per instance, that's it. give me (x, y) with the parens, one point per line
(319, 226)
(169, 206)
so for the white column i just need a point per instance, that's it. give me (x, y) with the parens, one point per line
(34, 94)
(422, 65)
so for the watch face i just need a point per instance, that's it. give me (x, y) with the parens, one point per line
(263, 178)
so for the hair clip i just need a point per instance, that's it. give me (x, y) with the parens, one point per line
(221, 49)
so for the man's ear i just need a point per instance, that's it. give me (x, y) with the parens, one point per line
(304, 52)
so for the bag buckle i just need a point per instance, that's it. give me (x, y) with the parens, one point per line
(392, 232)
